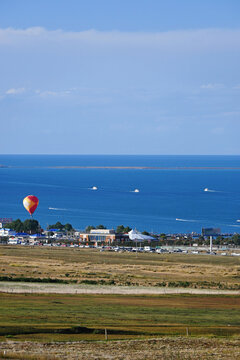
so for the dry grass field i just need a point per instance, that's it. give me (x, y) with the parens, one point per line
(144, 326)
(89, 266)
(177, 348)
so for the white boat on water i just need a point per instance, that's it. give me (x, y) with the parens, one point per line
(94, 188)
(209, 190)
(136, 190)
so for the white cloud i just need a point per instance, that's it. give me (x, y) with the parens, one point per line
(51, 93)
(47, 93)
(78, 95)
(211, 86)
(15, 91)
(173, 41)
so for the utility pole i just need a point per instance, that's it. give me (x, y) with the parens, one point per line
(211, 244)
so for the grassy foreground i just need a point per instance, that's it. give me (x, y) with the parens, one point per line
(62, 317)
(72, 326)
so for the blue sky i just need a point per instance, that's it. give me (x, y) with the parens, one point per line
(120, 77)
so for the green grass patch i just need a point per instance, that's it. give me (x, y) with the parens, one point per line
(56, 315)
(38, 280)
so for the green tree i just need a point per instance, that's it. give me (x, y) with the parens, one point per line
(179, 242)
(120, 229)
(58, 226)
(145, 233)
(236, 239)
(31, 226)
(101, 227)
(68, 227)
(89, 228)
(15, 225)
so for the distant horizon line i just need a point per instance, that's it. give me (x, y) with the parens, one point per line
(24, 154)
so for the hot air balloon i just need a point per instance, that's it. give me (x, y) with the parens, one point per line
(30, 203)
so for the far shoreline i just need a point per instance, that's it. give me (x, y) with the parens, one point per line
(124, 167)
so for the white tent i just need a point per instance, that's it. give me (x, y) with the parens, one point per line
(135, 235)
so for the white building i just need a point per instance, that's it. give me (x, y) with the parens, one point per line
(7, 232)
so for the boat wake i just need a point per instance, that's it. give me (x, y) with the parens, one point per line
(209, 190)
(185, 220)
(56, 209)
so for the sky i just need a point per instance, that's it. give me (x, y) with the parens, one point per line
(120, 77)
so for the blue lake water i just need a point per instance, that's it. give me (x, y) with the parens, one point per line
(165, 194)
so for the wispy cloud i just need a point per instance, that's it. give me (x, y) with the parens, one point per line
(176, 41)
(160, 85)
(15, 91)
(50, 93)
(211, 86)
(76, 95)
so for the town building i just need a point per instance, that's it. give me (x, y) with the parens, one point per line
(98, 236)
(7, 232)
(4, 222)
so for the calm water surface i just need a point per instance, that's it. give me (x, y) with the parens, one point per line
(170, 200)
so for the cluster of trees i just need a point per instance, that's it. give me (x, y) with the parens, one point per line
(29, 226)
(235, 240)
(91, 227)
(61, 227)
(121, 229)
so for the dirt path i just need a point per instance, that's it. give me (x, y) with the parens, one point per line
(21, 287)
